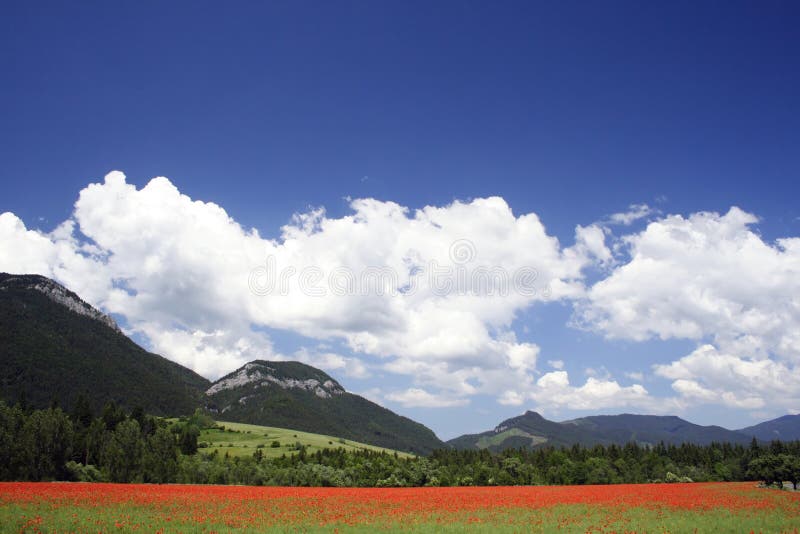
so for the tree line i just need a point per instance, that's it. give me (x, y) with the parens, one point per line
(120, 446)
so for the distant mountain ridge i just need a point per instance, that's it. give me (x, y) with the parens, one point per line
(531, 430)
(294, 395)
(786, 428)
(55, 346)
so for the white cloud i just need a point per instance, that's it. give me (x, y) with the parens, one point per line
(419, 398)
(705, 276)
(511, 398)
(590, 241)
(553, 391)
(332, 362)
(635, 375)
(23, 250)
(634, 213)
(180, 272)
(185, 275)
(709, 376)
(210, 353)
(713, 279)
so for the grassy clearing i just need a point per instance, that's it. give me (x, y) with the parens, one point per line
(239, 439)
(487, 441)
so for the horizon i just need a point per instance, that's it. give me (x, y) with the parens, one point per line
(461, 212)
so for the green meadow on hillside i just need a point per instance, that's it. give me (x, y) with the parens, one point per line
(239, 439)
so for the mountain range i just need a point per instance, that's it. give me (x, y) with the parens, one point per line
(531, 430)
(54, 346)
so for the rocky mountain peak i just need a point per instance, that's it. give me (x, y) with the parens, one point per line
(57, 293)
(285, 375)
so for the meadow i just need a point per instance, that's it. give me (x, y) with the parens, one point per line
(698, 507)
(240, 439)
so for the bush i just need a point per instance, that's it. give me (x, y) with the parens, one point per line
(672, 477)
(83, 473)
(275, 444)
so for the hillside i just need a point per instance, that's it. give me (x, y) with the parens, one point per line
(53, 345)
(240, 439)
(786, 428)
(531, 430)
(297, 396)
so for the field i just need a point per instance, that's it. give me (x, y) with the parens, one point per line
(239, 439)
(712, 507)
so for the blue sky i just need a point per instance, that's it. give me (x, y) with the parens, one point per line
(573, 111)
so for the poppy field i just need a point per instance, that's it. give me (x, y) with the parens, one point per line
(699, 507)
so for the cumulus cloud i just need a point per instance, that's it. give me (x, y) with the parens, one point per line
(553, 391)
(713, 279)
(706, 276)
(708, 375)
(590, 241)
(25, 250)
(431, 292)
(210, 353)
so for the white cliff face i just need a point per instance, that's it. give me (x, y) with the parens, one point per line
(261, 376)
(60, 295)
(246, 375)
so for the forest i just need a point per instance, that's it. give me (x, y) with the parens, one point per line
(117, 446)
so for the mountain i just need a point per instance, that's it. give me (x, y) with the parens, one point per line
(528, 430)
(295, 395)
(531, 430)
(786, 428)
(653, 429)
(53, 345)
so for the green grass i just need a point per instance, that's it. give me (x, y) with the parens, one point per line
(488, 441)
(239, 439)
(563, 518)
(713, 508)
